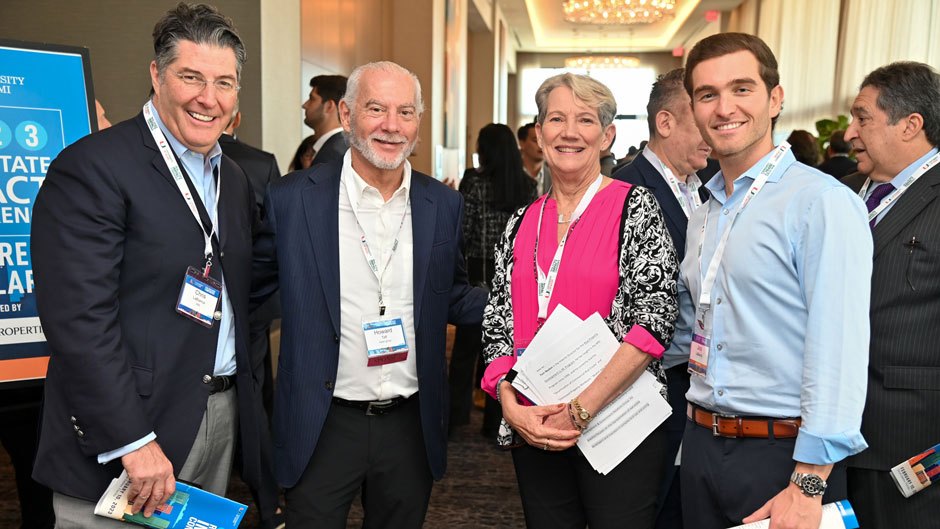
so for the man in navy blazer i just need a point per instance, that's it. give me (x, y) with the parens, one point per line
(367, 256)
(134, 383)
(667, 166)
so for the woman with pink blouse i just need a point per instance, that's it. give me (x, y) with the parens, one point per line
(615, 258)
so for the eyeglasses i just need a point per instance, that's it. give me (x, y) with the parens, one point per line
(197, 82)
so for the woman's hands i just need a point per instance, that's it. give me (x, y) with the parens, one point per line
(546, 427)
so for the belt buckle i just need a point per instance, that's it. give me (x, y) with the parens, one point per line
(715, 417)
(379, 406)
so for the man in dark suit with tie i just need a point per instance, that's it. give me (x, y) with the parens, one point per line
(145, 374)
(666, 166)
(367, 256)
(321, 113)
(895, 133)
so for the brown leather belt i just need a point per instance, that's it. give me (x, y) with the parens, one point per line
(723, 425)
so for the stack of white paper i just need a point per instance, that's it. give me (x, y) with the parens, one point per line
(563, 359)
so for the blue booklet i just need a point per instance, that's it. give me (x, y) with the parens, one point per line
(188, 508)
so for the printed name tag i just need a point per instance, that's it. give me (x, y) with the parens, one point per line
(385, 340)
(200, 298)
(698, 355)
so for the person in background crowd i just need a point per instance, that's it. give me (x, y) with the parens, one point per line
(805, 147)
(261, 169)
(667, 167)
(303, 158)
(895, 131)
(773, 304)
(533, 158)
(838, 163)
(358, 248)
(103, 122)
(617, 261)
(144, 376)
(321, 113)
(608, 160)
(491, 194)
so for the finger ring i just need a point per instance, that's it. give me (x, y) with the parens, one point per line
(546, 446)
(143, 497)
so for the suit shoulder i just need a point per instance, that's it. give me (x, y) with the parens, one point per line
(313, 175)
(435, 186)
(630, 173)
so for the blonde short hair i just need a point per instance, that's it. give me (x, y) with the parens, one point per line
(590, 91)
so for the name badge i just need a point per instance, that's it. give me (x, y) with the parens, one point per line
(385, 339)
(200, 298)
(698, 355)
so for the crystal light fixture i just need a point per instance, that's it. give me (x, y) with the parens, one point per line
(592, 62)
(618, 11)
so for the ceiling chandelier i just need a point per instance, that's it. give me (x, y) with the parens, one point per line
(617, 11)
(592, 62)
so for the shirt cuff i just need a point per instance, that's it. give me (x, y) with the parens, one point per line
(826, 449)
(494, 371)
(644, 341)
(107, 457)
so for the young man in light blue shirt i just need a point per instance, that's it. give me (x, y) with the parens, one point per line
(774, 295)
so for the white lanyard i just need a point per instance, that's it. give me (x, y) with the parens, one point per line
(366, 251)
(677, 191)
(174, 168)
(546, 283)
(900, 191)
(705, 298)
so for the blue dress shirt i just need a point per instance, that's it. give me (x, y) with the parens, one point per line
(789, 312)
(897, 182)
(201, 169)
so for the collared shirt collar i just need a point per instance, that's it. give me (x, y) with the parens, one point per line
(322, 139)
(902, 177)
(716, 186)
(214, 155)
(359, 186)
(659, 165)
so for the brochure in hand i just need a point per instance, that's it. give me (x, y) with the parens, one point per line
(188, 508)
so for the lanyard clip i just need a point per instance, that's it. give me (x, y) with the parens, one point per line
(208, 267)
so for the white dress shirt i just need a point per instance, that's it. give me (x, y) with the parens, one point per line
(359, 287)
(322, 139)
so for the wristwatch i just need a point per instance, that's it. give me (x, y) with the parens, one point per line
(583, 414)
(811, 484)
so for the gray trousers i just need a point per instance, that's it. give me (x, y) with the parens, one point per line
(208, 465)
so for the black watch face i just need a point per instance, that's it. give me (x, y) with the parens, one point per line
(813, 485)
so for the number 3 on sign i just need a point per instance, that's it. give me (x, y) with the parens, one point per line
(31, 135)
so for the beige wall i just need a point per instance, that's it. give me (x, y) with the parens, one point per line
(410, 33)
(118, 36)
(280, 79)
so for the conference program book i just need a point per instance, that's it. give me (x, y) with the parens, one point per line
(188, 508)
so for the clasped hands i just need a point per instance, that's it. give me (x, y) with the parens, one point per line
(545, 427)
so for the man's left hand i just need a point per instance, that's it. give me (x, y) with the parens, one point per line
(790, 509)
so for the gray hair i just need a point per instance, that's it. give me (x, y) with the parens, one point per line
(352, 84)
(906, 88)
(199, 23)
(667, 88)
(591, 92)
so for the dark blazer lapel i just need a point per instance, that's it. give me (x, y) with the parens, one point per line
(228, 206)
(423, 219)
(655, 182)
(915, 199)
(160, 165)
(321, 208)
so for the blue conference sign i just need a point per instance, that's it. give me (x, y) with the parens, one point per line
(46, 103)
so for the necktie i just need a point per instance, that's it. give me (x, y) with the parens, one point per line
(875, 199)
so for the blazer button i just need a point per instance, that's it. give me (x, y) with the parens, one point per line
(221, 254)
(329, 385)
(73, 419)
(206, 379)
(75, 426)
(80, 433)
(335, 339)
